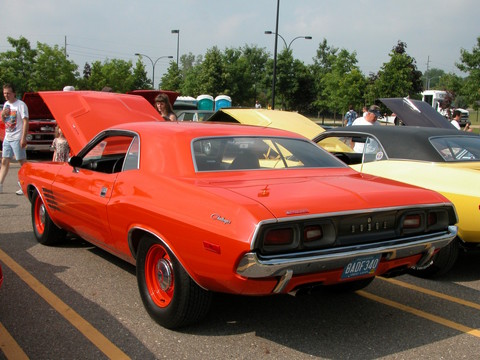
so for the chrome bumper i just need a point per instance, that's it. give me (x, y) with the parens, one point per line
(288, 265)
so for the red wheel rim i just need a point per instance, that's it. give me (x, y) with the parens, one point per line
(39, 213)
(159, 276)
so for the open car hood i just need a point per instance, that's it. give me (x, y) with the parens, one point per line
(83, 114)
(277, 119)
(416, 113)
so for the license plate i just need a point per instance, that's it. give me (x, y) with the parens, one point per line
(361, 266)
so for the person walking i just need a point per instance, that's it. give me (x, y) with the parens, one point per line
(350, 116)
(15, 117)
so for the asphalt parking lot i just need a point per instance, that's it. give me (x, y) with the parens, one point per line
(75, 301)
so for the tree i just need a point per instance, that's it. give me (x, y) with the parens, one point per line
(52, 70)
(256, 59)
(431, 79)
(16, 66)
(115, 73)
(470, 63)
(172, 79)
(140, 79)
(399, 77)
(211, 77)
(322, 65)
(343, 84)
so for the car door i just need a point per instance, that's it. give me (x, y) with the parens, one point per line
(84, 191)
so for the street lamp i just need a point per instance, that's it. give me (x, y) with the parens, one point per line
(178, 41)
(268, 32)
(154, 63)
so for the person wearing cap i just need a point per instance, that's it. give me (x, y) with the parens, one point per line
(370, 118)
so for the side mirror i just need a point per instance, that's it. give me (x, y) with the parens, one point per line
(75, 161)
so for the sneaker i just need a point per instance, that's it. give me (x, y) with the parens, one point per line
(19, 192)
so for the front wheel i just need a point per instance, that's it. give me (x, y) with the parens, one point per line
(45, 231)
(168, 293)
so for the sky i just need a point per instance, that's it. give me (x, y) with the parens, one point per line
(434, 31)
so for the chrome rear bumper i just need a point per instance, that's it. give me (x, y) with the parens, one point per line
(288, 265)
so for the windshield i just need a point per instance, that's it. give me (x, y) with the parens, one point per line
(249, 153)
(457, 148)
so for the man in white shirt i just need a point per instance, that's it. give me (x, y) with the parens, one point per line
(15, 117)
(457, 114)
(370, 118)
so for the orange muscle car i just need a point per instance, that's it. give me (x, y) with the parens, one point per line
(203, 208)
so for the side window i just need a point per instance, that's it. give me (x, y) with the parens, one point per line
(353, 149)
(131, 160)
(108, 155)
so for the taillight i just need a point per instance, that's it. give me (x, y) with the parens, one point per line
(412, 221)
(312, 233)
(281, 237)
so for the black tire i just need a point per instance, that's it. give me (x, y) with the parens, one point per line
(45, 231)
(350, 286)
(168, 293)
(442, 261)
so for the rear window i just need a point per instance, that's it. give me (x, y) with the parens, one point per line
(252, 153)
(457, 148)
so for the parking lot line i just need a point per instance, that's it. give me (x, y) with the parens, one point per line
(420, 313)
(432, 293)
(9, 346)
(87, 329)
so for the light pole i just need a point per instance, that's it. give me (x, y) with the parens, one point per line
(287, 47)
(178, 41)
(154, 63)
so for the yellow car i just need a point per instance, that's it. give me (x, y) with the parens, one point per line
(435, 157)
(444, 160)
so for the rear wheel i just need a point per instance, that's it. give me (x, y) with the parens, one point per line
(168, 293)
(442, 261)
(45, 231)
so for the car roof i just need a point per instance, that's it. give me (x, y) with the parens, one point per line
(405, 142)
(286, 120)
(416, 113)
(83, 114)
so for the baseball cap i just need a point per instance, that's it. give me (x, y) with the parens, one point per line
(374, 109)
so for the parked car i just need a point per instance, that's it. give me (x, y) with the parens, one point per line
(194, 115)
(447, 161)
(225, 208)
(41, 125)
(276, 119)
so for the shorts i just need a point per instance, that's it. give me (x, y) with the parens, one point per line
(12, 147)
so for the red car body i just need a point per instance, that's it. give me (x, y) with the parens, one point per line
(168, 197)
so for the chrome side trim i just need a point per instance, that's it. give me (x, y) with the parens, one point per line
(253, 266)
